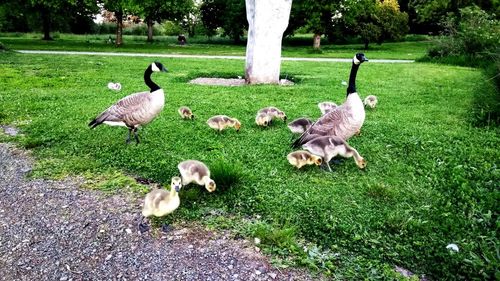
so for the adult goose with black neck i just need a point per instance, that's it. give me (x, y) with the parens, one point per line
(136, 109)
(345, 120)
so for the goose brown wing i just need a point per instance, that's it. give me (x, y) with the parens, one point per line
(324, 126)
(127, 109)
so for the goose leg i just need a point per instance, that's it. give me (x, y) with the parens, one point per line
(165, 228)
(136, 136)
(127, 141)
(142, 226)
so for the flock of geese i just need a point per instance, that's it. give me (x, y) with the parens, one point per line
(321, 140)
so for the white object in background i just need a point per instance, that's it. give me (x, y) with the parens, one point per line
(453, 247)
(114, 86)
(344, 83)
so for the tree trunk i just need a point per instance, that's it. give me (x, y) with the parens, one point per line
(317, 41)
(46, 24)
(119, 28)
(267, 20)
(150, 29)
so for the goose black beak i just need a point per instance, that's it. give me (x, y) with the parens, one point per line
(164, 69)
(177, 188)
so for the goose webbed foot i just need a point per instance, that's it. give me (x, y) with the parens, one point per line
(326, 166)
(337, 161)
(143, 226)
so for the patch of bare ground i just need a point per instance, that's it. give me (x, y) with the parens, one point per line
(55, 230)
(229, 81)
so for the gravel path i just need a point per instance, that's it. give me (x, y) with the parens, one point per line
(54, 230)
(123, 54)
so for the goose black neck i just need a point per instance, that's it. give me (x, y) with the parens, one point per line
(147, 79)
(352, 79)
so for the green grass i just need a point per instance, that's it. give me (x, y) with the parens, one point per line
(432, 178)
(201, 45)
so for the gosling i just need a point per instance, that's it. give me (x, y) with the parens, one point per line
(185, 112)
(300, 125)
(198, 172)
(326, 107)
(273, 112)
(331, 146)
(160, 202)
(371, 101)
(220, 122)
(263, 119)
(301, 158)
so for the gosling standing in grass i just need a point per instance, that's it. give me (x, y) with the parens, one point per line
(273, 112)
(331, 146)
(196, 171)
(160, 202)
(300, 125)
(371, 101)
(137, 109)
(301, 158)
(263, 119)
(185, 112)
(220, 122)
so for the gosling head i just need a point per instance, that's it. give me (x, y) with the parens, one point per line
(210, 185)
(361, 163)
(157, 67)
(282, 116)
(237, 125)
(359, 58)
(176, 184)
(317, 160)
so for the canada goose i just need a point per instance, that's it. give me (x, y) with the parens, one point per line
(160, 202)
(137, 109)
(300, 125)
(263, 119)
(302, 157)
(371, 101)
(345, 120)
(273, 112)
(185, 112)
(326, 107)
(196, 171)
(331, 146)
(220, 122)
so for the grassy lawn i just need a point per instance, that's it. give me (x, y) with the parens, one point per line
(168, 45)
(431, 180)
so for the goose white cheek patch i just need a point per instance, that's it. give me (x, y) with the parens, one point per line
(356, 61)
(154, 67)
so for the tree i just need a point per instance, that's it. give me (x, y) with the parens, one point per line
(227, 14)
(154, 10)
(119, 8)
(317, 16)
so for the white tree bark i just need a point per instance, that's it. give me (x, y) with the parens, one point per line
(267, 20)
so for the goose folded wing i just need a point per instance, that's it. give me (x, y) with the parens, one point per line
(128, 107)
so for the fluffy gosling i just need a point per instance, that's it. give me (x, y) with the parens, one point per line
(300, 125)
(301, 158)
(220, 122)
(331, 146)
(160, 202)
(185, 112)
(198, 172)
(263, 119)
(371, 101)
(273, 112)
(326, 107)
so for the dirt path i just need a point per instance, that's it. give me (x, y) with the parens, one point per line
(54, 230)
(124, 54)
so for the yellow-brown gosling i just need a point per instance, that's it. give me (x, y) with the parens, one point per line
(371, 101)
(331, 146)
(345, 120)
(300, 125)
(263, 119)
(220, 122)
(137, 109)
(185, 112)
(198, 172)
(326, 107)
(160, 202)
(273, 112)
(301, 158)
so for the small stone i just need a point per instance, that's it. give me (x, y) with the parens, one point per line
(109, 257)
(235, 276)
(272, 275)
(128, 230)
(190, 247)
(64, 278)
(230, 266)
(258, 272)
(257, 249)
(256, 240)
